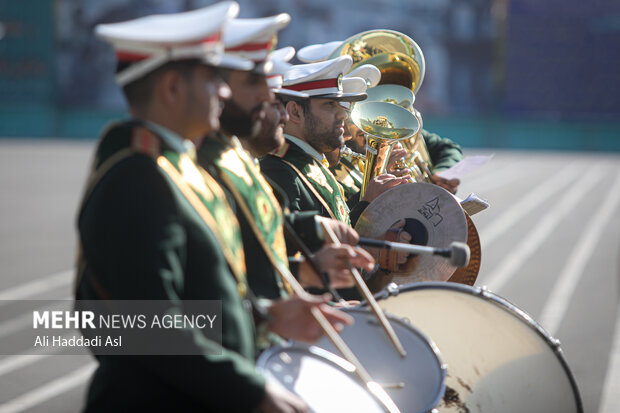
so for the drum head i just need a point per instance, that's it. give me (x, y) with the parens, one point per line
(498, 358)
(326, 382)
(433, 207)
(415, 382)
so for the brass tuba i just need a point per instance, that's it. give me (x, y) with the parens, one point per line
(417, 162)
(384, 124)
(401, 63)
(346, 152)
(402, 67)
(396, 55)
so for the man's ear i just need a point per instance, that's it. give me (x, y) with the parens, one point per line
(171, 88)
(295, 112)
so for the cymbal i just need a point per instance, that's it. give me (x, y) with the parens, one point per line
(426, 205)
(469, 274)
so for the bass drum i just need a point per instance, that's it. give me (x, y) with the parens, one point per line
(415, 382)
(326, 382)
(498, 358)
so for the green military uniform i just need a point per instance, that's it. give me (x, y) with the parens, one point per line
(257, 210)
(443, 152)
(350, 178)
(308, 183)
(153, 226)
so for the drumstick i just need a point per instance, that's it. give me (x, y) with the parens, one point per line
(310, 259)
(339, 343)
(363, 288)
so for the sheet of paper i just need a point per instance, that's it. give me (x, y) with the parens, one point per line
(468, 164)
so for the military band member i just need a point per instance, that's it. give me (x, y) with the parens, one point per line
(248, 119)
(443, 152)
(315, 126)
(155, 226)
(346, 172)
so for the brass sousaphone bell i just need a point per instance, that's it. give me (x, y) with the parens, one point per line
(399, 59)
(401, 63)
(384, 125)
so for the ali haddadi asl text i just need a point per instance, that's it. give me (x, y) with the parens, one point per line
(77, 341)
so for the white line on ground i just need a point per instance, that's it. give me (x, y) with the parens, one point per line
(25, 319)
(11, 363)
(528, 202)
(542, 229)
(40, 285)
(49, 390)
(610, 399)
(557, 303)
(498, 178)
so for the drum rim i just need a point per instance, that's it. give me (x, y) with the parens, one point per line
(334, 359)
(306, 348)
(394, 289)
(443, 367)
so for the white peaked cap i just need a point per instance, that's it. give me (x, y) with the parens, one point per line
(317, 52)
(148, 42)
(322, 79)
(280, 59)
(283, 55)
(368, 72)
(355, 85)
(253, 39)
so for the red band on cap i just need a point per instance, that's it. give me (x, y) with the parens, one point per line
(250, 47)
(130, 57)
(214, 38)
(316, 84)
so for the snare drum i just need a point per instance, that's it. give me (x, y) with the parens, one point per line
(498, 358)
(326, 382)
(416, 382)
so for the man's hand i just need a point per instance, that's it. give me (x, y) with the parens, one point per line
(399, 262)
(450, 185)
(335, 260)
(380, 184)
(390, 260)
(397, 154)
(344, 233)
(279, 400)
(292, 318)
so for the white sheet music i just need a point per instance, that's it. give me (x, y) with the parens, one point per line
(468, 164)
